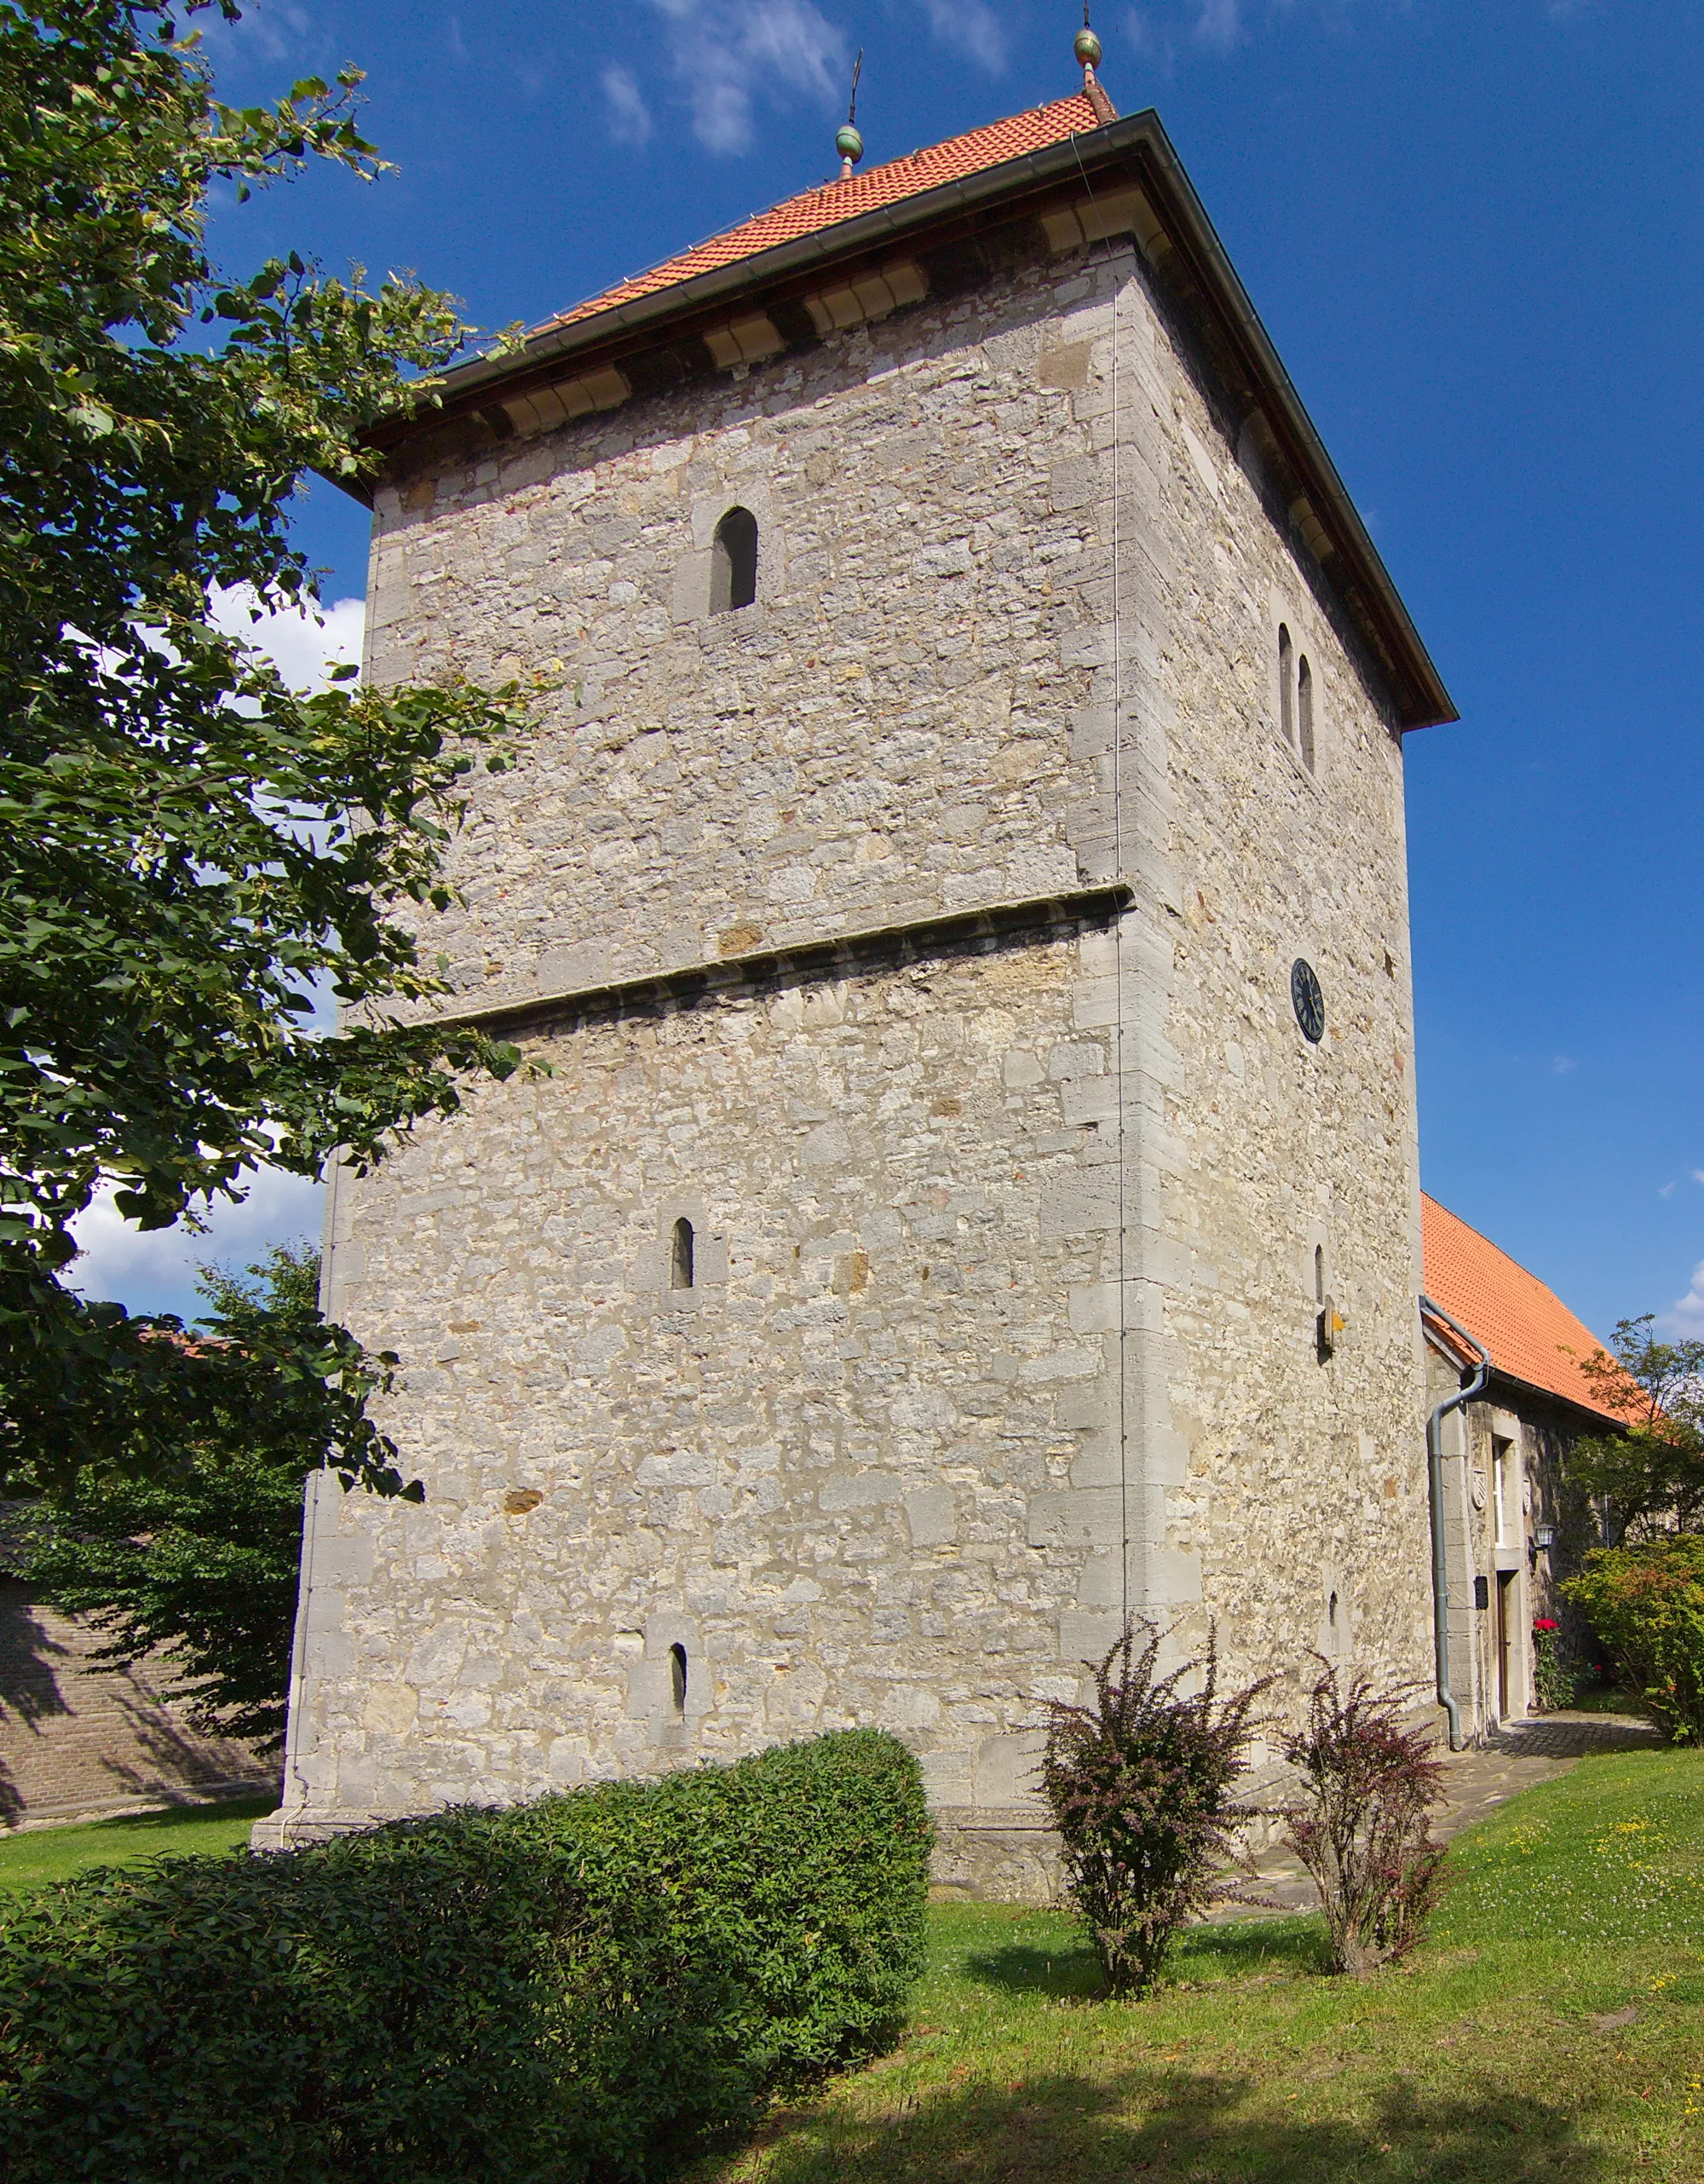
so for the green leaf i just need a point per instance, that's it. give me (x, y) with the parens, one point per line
(164, 907)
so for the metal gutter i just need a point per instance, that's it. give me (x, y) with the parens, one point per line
(1458, 1400)
(1592, 1420)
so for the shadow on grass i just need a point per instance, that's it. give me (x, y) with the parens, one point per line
(1069, 1971)
(171, 1816)
(1207, 2131)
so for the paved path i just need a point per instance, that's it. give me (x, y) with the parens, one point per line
(1476, 1783)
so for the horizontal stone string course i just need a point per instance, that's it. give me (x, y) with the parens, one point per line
(875, 947)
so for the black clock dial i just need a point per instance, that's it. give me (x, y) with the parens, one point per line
(1308, 1001)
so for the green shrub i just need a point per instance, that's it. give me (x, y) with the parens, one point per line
(1646, 1602)
(566, 1989)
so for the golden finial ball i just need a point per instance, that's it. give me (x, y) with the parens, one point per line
(1087, 48)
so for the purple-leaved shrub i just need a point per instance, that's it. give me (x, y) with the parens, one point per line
(1141, 1786)
(1362, 1826)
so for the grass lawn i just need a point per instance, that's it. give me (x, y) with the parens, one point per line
(1553, 2027)
(56, 1853)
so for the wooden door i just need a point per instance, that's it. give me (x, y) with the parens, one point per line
(1505, 1640)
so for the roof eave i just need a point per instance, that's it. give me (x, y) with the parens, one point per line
(1224, 286)
(845, 239)
(1606, 1418)
(1139, 137)
(1442, 1342)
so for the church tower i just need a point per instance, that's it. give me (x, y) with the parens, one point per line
(957, 888)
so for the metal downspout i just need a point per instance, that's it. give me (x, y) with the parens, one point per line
(1458, 1400)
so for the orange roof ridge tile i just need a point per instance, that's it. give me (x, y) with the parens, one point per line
(1531, 1334)
(831, 202)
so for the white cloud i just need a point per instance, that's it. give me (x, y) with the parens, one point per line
(1686, 1314)
(1665, 1189)
(275, 30)
(722, 53)
(628, 115)
(1159, 29)
(972, 28)
(726, 58)
(300, 646)
(153, 1270)
(1563, 1065)
(1219, 23)
(1698, 1175)
(1156, 47)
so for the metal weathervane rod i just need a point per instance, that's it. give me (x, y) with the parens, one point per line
(849, 143)
(1087, 48)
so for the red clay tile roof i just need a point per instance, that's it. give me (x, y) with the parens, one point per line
(834, 202)
(1531, 1332)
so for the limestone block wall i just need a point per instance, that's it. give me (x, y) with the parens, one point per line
(836, 1470)
(1009, 1297)
(882, 734)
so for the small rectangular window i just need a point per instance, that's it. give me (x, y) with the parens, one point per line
(1501, 1468)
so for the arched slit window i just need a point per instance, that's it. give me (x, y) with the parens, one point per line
(681, 1257)
(734, 562)
(1304, 710)
(1286, 680)
(677, 1677)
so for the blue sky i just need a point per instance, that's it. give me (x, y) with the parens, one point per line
(1477, 234)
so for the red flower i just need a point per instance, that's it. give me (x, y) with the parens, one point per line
(1545, 1623)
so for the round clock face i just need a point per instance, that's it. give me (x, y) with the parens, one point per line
(1308, 1001)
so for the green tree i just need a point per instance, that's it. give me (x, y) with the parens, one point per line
(1650, 1478)
(187, 848)
(199, 1558)
(1646, 1602)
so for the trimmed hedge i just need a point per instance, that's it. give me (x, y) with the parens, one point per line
(566, 1990)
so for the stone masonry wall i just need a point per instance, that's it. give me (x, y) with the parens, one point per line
(1538, 1431)
(78, 1739)
(1008, 1309)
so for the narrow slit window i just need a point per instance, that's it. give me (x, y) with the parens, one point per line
(1304, 710)
(1319, 1274)
(681, 1257)
(677, 1677)
(734, 562)
(1287, 676)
